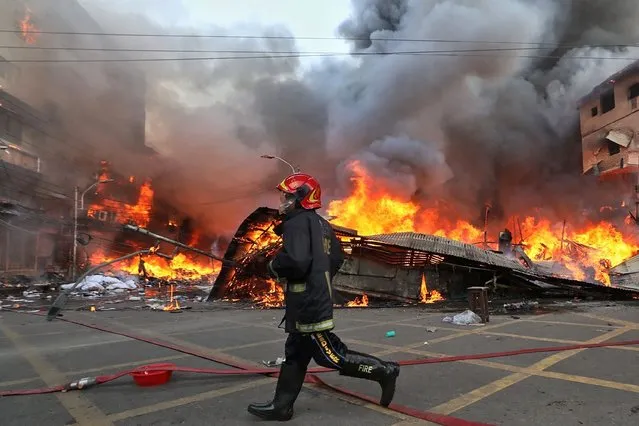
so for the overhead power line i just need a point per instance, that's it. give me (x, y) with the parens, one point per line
(291, 37)
(265, 55)
(101, 49)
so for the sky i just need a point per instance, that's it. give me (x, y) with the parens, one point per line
(302, 17)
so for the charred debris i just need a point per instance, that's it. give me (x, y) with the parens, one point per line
(410, 268)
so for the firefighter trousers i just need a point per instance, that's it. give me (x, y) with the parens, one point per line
(324, 347)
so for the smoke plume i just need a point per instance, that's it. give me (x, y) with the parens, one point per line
(478, 122)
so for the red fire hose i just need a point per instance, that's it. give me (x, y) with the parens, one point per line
(311, 377)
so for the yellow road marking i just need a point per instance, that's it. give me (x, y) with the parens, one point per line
(357, 401)
(567, 323)
(10, 383)
(135, 412)
(462, 333)
(485, 391)
(414, 422)
(80, 408)
(515, 369)
(628, 324)
(486, 331)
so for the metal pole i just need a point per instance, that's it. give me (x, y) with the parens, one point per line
(63, 297)
(75, 233)
(637, 198)
(275, 157)
(177, 243)
(487, 209)
(85, 193)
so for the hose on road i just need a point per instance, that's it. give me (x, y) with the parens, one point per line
(311, 377)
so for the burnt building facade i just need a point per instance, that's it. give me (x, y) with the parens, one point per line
(32, 208)
(58, 120)
(609, 122)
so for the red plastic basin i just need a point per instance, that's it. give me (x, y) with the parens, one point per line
(153, 378)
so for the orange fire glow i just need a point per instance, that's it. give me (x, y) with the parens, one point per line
(599, 246)
(272, 298)
(426, 296)
(263, 292)
(359, 302)
(139, 213)
(180, 267)
(28, 30)
(173, 304)
(372, 211)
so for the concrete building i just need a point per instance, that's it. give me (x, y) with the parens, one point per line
(57, 122)
(609, 120)
(31, 207)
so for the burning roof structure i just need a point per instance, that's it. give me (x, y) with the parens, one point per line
(408, 267)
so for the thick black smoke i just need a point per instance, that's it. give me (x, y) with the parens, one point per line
(505, 125)
(497, 125)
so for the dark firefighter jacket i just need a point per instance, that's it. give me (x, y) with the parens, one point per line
(309, 258)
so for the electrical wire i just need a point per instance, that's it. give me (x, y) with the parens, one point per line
(425, 53)
(263, 52)
(324, 38)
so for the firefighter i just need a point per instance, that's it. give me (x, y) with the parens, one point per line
(309, 258)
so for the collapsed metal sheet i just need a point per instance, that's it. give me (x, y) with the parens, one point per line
(447, 247)
(626, 274)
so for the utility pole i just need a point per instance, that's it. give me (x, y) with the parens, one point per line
(77, 198)
(75, 233)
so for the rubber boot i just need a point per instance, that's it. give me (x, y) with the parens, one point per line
(289, 385)
(368, 367)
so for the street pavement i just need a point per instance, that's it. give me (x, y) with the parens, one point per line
(579, 387)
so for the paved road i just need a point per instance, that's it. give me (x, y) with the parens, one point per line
(589, 387)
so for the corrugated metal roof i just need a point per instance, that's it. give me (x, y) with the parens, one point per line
(446, 247)
(630, 266)
(626, 281)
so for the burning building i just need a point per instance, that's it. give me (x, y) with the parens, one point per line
(46, 122)
(123, 200)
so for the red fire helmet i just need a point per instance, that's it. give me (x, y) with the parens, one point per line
(305, 188)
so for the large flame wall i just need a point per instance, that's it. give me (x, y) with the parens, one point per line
(594, 245)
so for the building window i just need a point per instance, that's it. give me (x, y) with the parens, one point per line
(594, 111)
(607, 101)
(613, 148)
(633, 91)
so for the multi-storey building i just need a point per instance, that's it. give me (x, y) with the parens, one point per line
(609, 122)
(57, 121)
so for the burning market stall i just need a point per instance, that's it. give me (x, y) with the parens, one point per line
(406, 267)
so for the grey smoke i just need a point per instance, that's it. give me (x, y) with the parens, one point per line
(464, 129)
(507, 125)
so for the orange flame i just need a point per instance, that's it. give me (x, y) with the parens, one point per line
(373, 211)
(28, 30)
(598, 246)
(272, 298)
(359, 302)
(180, 267)
(173, 304)
(426, 296)
(139, 213)
(245, 286)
